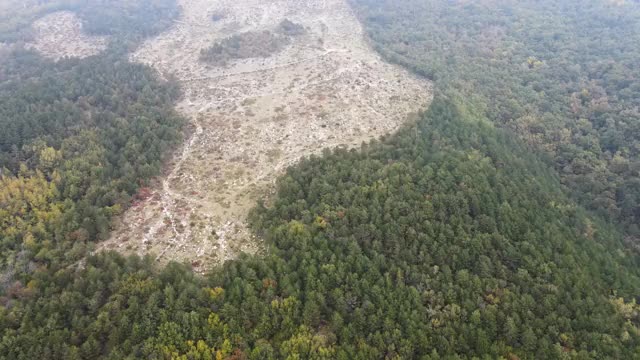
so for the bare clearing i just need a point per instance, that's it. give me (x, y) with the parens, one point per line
(59, 35)
(254, 117)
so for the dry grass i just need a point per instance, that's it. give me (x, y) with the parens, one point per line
(60, 35)
(254, 117)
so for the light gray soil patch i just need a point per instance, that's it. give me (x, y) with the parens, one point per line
(59, 35)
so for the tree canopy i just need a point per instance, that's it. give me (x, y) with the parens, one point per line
(447, 240)
(451, 239)
(561, 75)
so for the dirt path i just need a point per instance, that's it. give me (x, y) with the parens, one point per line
(255, 117)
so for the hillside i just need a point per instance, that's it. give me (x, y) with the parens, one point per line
(254, 115)
(461, 234)
(562, 76)
(448, 239)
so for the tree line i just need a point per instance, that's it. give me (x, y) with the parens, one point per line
(448, 240)
(562, 76)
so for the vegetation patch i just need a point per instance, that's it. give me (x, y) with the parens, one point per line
(289, 28)
(218, 16)
(252, 44)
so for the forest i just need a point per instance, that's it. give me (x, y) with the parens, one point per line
(561, 75)
(79, 138)
(445, 241)
(501, 225)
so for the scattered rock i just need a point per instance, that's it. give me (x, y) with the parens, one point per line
(59, 35)
(254, 117)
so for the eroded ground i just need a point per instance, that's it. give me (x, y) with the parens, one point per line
(59, 34)
(254, 117)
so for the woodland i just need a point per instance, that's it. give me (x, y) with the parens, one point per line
(502, 224)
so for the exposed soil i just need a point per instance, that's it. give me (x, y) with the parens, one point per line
(59, 35)
(254, 117)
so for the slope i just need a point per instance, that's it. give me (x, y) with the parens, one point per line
(563, 76)
(254, 116)
(448, 240)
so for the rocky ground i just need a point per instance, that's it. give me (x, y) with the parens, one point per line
(59, 34)
(251, 118)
